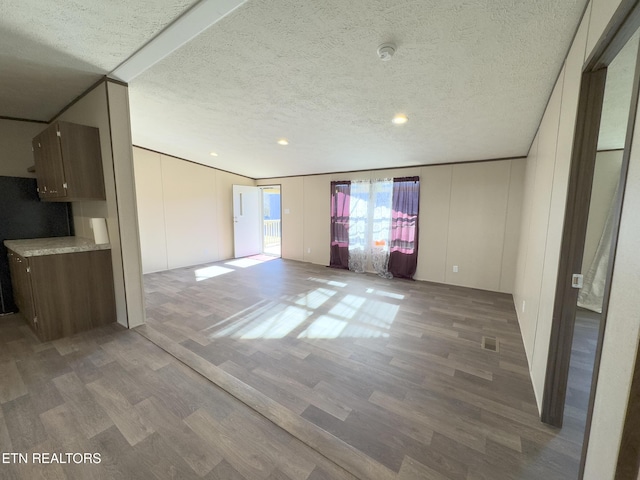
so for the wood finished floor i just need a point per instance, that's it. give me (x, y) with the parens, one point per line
(583, 352)
(392, 371)
(112, 392)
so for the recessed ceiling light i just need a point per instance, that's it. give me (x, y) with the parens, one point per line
(400, 119)
(283, 141)
(213, 154)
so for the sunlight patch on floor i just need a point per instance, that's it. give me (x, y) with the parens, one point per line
(315, 298)
(210, 272)
(324, 327)
(244, 262)
(333, 283)
(382, 293)
(348, 306)
(276, 321)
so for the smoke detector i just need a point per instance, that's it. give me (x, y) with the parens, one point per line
(386, 51)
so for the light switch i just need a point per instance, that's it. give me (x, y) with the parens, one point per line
(286, 211)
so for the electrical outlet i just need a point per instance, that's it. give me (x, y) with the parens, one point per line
(308, 250)
(523, 304)
(287, 211)
(455, 269)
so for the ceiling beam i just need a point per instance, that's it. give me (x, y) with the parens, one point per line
(189, 25)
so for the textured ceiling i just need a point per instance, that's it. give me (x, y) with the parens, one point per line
(50, 52)
(617, 97)
(473, 76)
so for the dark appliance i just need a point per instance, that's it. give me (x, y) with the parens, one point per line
(23, 215)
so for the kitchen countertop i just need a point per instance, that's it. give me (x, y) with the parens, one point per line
(36, 247)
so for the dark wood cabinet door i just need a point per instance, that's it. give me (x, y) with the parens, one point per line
(49, 168)
(73, 292)
(21, 283)
(52, 158)
(82, 159)
(68, 161)
(41, 167)
(63, 294)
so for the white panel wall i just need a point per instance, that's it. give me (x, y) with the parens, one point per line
(190, 212)
(119, 119)
(542, 219)
(512, 226)
(622, 334)
(539, 189)
(153, 241)
(291, 197)
(477, 220)
(623, 323)
(435, 199)
(185, 211)
(463, 221)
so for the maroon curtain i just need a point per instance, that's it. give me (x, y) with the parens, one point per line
(403, 257)
(340, 195)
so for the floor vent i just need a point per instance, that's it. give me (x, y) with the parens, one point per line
(490, 343)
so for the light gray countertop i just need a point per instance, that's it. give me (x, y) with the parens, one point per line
(36, 247)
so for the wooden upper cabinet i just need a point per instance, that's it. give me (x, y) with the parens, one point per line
(68, 162)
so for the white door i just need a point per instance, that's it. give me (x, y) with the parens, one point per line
(247, 221)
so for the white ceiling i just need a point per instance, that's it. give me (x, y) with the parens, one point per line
(473, 76)
(51, 52)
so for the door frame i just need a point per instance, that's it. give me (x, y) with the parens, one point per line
(271, 185)
(620, 29)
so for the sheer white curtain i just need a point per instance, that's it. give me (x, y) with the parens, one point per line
(370, 225)
(591, 294)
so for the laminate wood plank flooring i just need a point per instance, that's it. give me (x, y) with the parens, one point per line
(389, 372)
(113, 392)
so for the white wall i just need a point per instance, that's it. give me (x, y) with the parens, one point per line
(543, 209)
(120, 123)
(542, 219)
(622, 334)
(15, 147)
(469, 217)
(185, 211)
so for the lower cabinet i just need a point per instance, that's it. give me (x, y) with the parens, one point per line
(63, 294)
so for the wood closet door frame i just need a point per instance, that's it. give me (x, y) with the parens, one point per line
(620, 29)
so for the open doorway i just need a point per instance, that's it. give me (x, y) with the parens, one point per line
(271, 221)
(600, 159)
(257, 219)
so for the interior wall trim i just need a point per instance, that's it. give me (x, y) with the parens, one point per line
(28, 120)
(619, 30)
(117, 82)
(465, 162)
